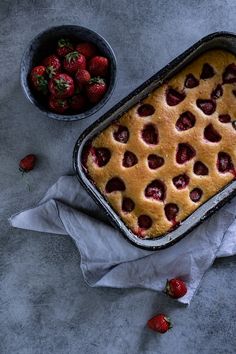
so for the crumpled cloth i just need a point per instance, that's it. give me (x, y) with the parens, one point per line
(109, 260)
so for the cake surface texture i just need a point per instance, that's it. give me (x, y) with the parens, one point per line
(173, 151)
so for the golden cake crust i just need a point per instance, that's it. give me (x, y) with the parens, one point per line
(139, 176)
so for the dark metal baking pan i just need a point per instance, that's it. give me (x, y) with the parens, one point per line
(218, 40)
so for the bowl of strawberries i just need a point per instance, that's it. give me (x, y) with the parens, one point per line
(68, 72)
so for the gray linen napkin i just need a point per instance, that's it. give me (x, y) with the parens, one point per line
(107, 259)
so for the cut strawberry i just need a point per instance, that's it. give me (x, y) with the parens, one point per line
(144, 222)
(156, 190)
(103, 156)
(128, 205)
(171, 211)
(207, 72)
(130, 159)
(196, 194)
(185, 121)
(174, 97)
(217, 92)
(150, 134)
(207, 106)
(146, 110)
(224, 118)
(181, 181)
(229, 75)
(200, 169)
(191, 81)
(121, 134)
(185, 152)
(224, 162)
(155, 161)
(211, 134)
(115, 184)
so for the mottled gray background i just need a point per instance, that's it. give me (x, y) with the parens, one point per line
(45, 305)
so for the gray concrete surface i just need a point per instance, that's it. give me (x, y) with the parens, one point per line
(46, 308)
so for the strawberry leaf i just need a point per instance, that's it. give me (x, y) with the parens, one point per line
(51, 71)
(96, 80)
(64, 43)
(72, 56)
(61, 85)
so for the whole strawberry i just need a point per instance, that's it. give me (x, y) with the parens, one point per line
(61, 86)
(52, 64)
(82, 78)
(27, 163)
(159, 323)
(98, 66)
(38, 79)
(89, 50)
(64, 46)
(96, 89)
(58, 105)
(78, 103)
(74, 61)
(175, 288)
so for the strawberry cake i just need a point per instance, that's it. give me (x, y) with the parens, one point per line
(171, 152)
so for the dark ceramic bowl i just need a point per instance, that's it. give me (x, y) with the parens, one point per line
(43, 45)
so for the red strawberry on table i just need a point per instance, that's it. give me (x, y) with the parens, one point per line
(38, 79)
(89, 50)
(78, 103)
(98, 66)
(74, 61)
(159, 323)
(96, 89)
(82, 78)
(52, 64)
(64, 46)
(58, 105)
(175, 288)
(61, 86)
(27, 163)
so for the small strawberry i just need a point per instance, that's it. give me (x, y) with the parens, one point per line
(159, 323)
(78, 103)
(64, 46)
(98, 66)
(58, 105)
(96, 89)
(82, 78)
(61, 86)
(74, 61)
(89, 50)
(38, 79)
(175, 288)
(27, 163)
(52, 64)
